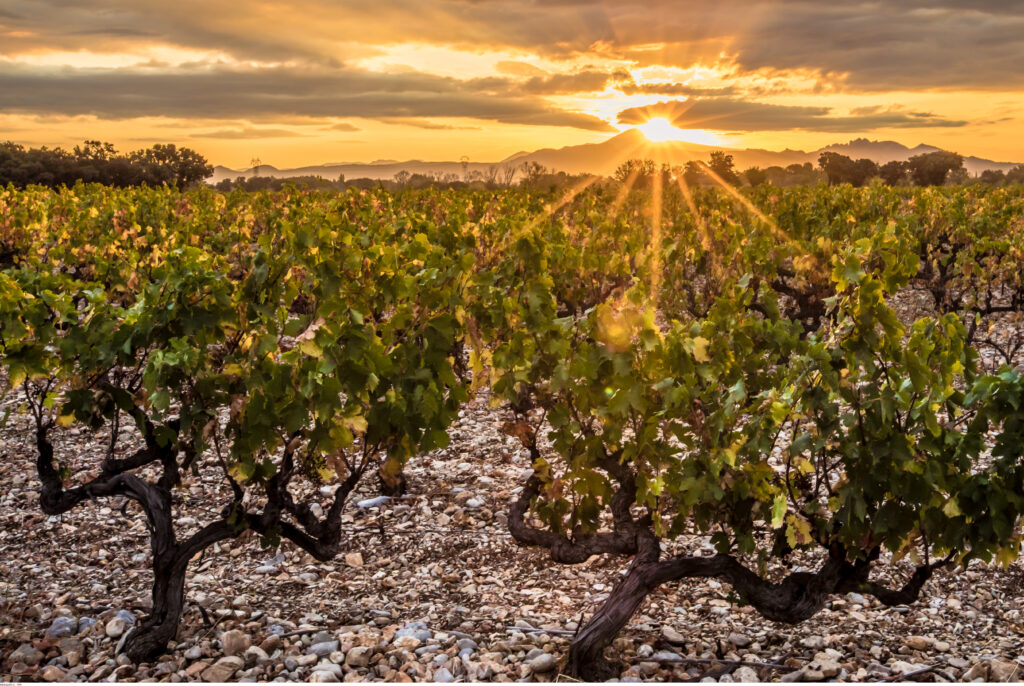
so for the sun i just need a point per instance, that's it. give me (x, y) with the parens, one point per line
(661, 130)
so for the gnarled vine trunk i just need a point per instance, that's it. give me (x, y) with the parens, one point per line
(798, 597)
(150, 638)
(586, 654)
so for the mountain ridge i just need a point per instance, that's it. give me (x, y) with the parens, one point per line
(603, 157)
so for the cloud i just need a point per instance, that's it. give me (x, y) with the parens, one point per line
(727, 114)
(426, 124)
(858, 46)
(668, 88)
(580, 82)
(516, 68)
(217, 91)
(248, 133)
(344, 126)
(884, 46)
(123, 31)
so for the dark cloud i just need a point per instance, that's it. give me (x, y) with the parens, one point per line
(123, 31)
(219, 92)
(726, 114)
(862, 45)
(580, 82)
(884, 46)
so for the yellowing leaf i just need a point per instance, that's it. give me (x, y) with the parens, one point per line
(325, 472)
(356, 424)
(700, 349)
(951, 508)
(1007, 554)
(778, 510)
(798, 530)
(310, 347)
(233, 369)
(479, 362)
(803, 465)
(17, 376)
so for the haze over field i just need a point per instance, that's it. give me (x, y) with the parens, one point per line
(604, 158)
(314, 81)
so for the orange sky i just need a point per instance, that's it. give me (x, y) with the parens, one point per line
(319, 81)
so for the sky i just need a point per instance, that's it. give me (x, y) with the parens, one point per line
(321, 81)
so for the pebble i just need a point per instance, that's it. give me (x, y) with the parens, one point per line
(740, 640)
(443, 676)
(648, 668)
(919, 642)
(234, 642)
(256, 654)
(223, 669)
(417, 630)
(359, 656)
(62, 626)
(115, 627)
(1005, 671)
(544, 662)
(406, 642)
(958, 663)
(323, 649)
(26, 654)
(54, 673)
(671, 635)
(374, 502)
(745, 674)
(323, 677)
(665, 655)
(823, 665)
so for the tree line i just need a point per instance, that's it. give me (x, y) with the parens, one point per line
(98, 162)
(166, 164)
(929, 169)
(526, 175)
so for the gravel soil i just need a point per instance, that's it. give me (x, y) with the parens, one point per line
(432, 587)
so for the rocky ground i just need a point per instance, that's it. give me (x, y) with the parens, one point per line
(433, 588)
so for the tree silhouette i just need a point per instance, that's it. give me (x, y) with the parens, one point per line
(932, 169)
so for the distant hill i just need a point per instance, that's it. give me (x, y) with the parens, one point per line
(384, 169)
(604, 157)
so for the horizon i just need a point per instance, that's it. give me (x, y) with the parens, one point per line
(301, 84)
(651, 147)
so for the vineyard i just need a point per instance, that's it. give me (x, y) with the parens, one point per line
(658, 432)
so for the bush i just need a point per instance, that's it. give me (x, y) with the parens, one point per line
(199, 353)
(855, 445)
